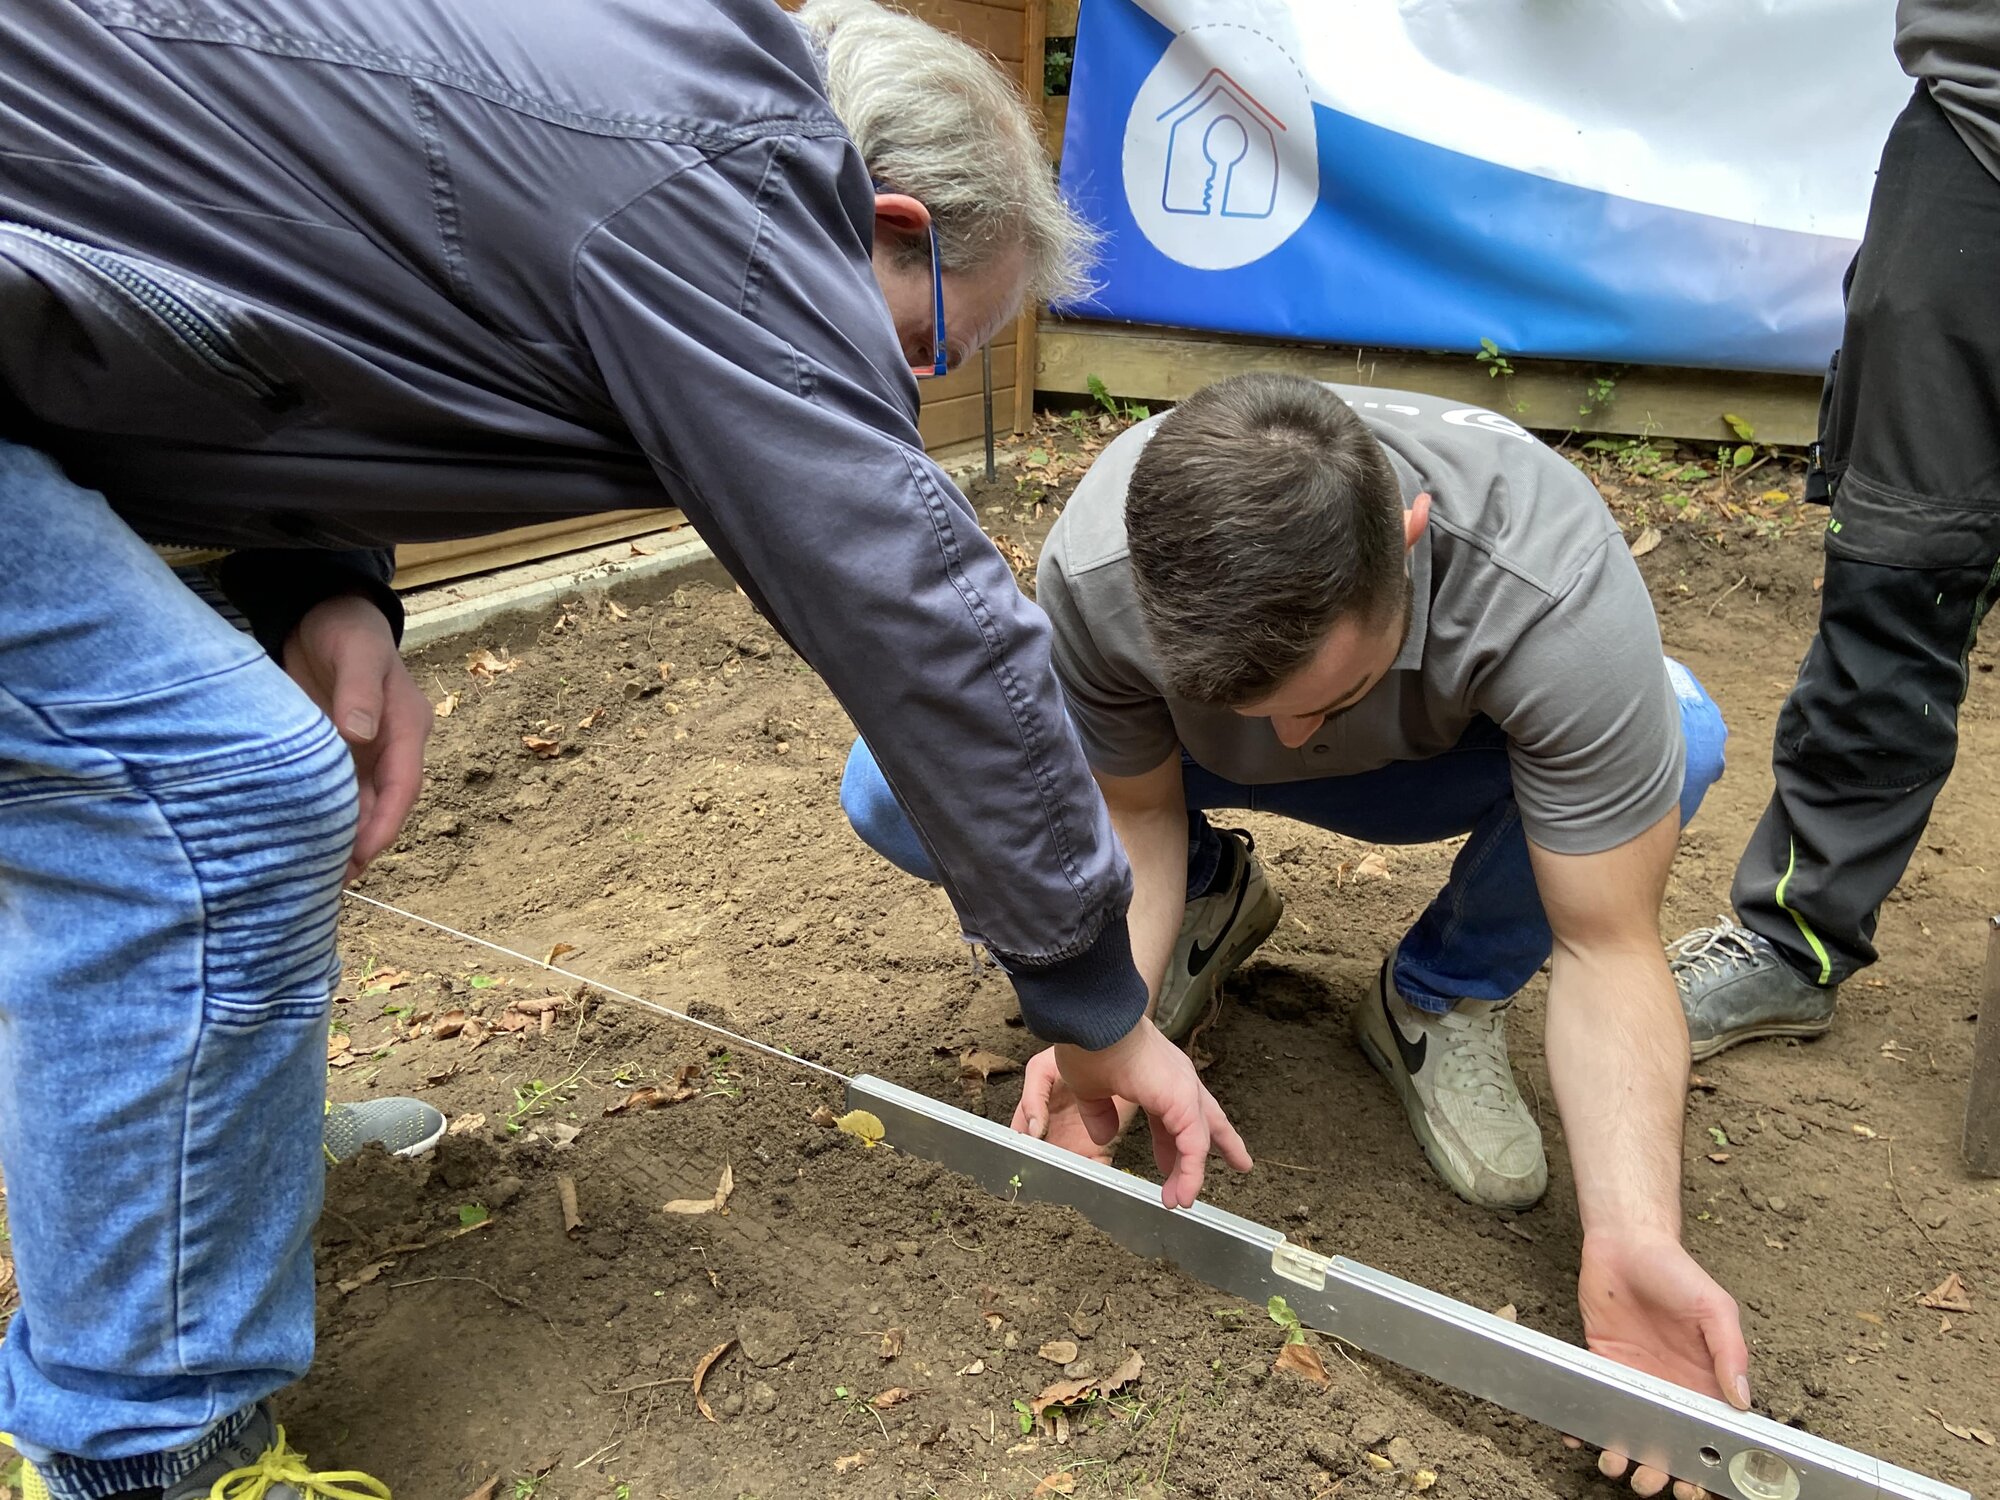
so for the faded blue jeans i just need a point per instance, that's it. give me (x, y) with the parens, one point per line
(1482, 937)
(174, 819)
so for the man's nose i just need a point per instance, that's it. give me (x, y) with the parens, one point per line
(1293, 732)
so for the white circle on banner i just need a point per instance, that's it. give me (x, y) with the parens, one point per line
(1221, 151)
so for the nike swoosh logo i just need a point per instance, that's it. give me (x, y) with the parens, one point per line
(1412, 1052)
(1198, 956)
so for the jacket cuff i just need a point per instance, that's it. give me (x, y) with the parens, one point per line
(1090, 1000)
(275, 587)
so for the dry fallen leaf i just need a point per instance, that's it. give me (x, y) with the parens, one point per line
(447, 705)
(977, 1367)
(591, 719)
(1506, 1313)
(448, 1024)
(896, 1395)
(485, 666)
(338, 1045)
(701, 1369)
(892, 1343)
(1423, 1479)
(1371, 866)
(465, 1124)
(487, 1490)
(1645, 541)
(638, 1101)
(566, 1195)
(976, 1065)
(666, 671)
(1058, 1351)
(616, 612)
(1863, 1131)
(1949, 1295)
(1063, 1392)
(1060, 1483)
(1302, 1360)
(1718, 1157)
(853, 1461)
(543, 749)
(723, 1189)
(863, 1126)
(1378, 1463)
(561, 948)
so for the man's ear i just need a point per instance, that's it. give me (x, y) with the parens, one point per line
(900, 215)
(1415, 519)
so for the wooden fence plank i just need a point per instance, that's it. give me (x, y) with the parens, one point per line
(1061, 18)
(1021, 410)
(434, 562)
(1165, 364)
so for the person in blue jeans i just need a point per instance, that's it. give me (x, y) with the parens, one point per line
(1403, 621)
(299, 281)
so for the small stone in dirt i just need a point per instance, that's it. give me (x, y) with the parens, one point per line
(767, 1338)
(908, 1247)
(1402, 1453)
(502, 1191)
(1369, 1429)
(760, 1400)
(441, 826)
(731, 1405)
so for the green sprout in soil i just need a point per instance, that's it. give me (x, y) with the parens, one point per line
(722, 1078)
(1282, 1314)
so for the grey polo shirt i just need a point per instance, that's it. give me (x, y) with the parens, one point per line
(1528, 610)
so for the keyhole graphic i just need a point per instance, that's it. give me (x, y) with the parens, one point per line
(1224, 143)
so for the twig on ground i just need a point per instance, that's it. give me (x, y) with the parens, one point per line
(1907, 1213)
(599, 1453)
(514, 1302)
(1727, 592)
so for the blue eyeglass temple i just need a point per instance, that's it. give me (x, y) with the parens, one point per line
(940, 364)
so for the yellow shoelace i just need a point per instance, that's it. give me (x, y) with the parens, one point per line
(280, 1464)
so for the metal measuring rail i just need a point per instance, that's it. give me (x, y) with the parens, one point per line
(1733, 1454)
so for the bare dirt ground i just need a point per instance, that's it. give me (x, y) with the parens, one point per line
(682, 838)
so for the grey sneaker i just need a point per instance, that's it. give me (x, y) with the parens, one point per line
(1218, 933)
(402, 1127)
(1457, 1087)
(256, 1461)
(1736, 988)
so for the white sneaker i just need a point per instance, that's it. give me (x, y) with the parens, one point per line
(1218, 932)
(1458, 1089)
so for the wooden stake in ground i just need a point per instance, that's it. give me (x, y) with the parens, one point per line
(1982, 1100)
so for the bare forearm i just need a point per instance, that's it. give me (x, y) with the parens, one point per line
(1618, 1060)
(1155, 842)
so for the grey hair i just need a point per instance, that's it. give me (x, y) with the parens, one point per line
(936, 119)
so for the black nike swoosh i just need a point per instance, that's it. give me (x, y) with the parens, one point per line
(1198, 956)
(1412, 1052)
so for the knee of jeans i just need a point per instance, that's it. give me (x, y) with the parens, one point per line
(267, 845)
(1705, 735)
(870, 806)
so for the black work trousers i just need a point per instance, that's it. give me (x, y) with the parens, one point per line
(1910, 447)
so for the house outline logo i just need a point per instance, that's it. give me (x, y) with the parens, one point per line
(1222, 153)
(1220, 156)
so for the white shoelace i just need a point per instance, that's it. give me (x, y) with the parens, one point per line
(1715, 950)
(1475, 1057)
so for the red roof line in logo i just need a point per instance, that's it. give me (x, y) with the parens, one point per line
(1236, 88)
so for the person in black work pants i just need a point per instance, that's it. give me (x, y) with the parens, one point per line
(1909, 461)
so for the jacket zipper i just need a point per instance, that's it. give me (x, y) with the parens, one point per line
(190, 323)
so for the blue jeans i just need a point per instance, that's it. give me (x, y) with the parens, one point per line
(174, 819)
(1481, 938)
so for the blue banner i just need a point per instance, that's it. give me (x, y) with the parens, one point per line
(1655, 181)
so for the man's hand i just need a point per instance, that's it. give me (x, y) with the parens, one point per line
(344, 655)
(1647, 1304)
(1150, 1071)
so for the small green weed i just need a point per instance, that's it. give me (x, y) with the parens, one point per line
(1497, 363)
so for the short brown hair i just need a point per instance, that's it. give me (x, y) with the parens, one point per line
(1262, 512)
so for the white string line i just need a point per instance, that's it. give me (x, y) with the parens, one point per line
(597, 984)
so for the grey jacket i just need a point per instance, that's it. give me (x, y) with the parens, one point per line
(334, 274)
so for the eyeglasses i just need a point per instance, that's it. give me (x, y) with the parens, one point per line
(940, 363)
